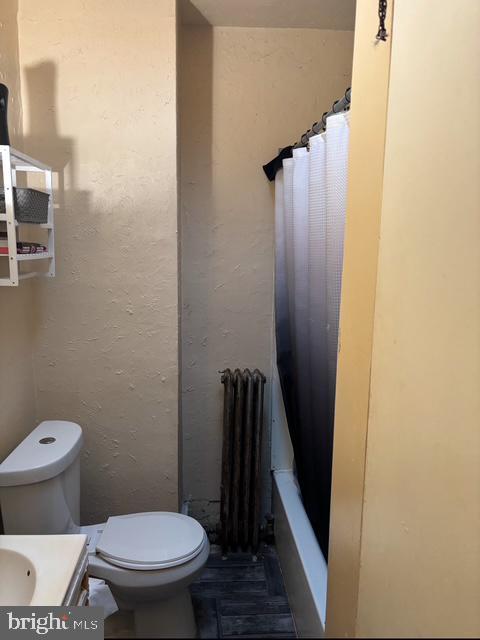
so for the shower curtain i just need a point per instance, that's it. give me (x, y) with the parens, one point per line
(310, 203)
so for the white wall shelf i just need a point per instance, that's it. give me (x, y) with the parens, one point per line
(14, 162)
(34, 256)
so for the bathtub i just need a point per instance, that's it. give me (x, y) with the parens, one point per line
(303, 564)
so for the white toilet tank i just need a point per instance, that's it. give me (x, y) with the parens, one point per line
(40, 481)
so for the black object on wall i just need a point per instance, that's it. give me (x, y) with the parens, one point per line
(241, 459)
(4, 137)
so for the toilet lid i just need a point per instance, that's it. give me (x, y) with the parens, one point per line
(148, 541)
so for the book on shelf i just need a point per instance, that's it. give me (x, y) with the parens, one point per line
(23, 248)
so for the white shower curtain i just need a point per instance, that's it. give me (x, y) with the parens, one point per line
(310, 204)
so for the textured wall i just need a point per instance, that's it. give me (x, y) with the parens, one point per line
(17, 394)
(244, 93)
(368, 118)
(99, 95)
(405, 554)
(420, 554)
(301, 14)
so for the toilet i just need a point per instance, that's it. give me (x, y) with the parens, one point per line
(148, 559)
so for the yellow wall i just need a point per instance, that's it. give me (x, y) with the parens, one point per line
(244, 93)
(99, 99)
(17, 395)
(367, 143)
(414, 550)
(421, 522)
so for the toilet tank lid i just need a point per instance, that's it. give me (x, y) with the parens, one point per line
(44, 453)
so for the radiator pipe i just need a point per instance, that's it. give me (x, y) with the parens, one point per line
(237, 455)
(227, 381)
(259, 383)
(247, 462)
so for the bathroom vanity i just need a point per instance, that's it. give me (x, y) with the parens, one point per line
(44, 570)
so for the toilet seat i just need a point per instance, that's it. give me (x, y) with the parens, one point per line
(150, 541)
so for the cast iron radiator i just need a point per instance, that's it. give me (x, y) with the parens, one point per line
(241, 471)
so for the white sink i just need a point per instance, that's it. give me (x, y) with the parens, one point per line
(17, 578)
(38, 570)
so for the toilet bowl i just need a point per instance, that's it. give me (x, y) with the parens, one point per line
(148, 559)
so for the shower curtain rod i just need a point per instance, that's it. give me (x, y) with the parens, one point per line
(338, 106)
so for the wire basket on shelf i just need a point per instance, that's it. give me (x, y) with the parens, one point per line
(31, 205)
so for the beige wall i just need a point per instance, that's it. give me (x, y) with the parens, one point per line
(417, 559)
(17, 395)
(244, 93)
(99, 96)
(367, 149)
(420, 553)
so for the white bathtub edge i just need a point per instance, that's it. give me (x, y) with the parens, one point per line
(303, 565)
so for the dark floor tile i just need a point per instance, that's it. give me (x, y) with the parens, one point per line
(274, 576)
(233, 573)
(262, 624)
(242, 597)
(221, 589)
(261, 605)
(217, 559)
(206, 616)
(264, 636)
